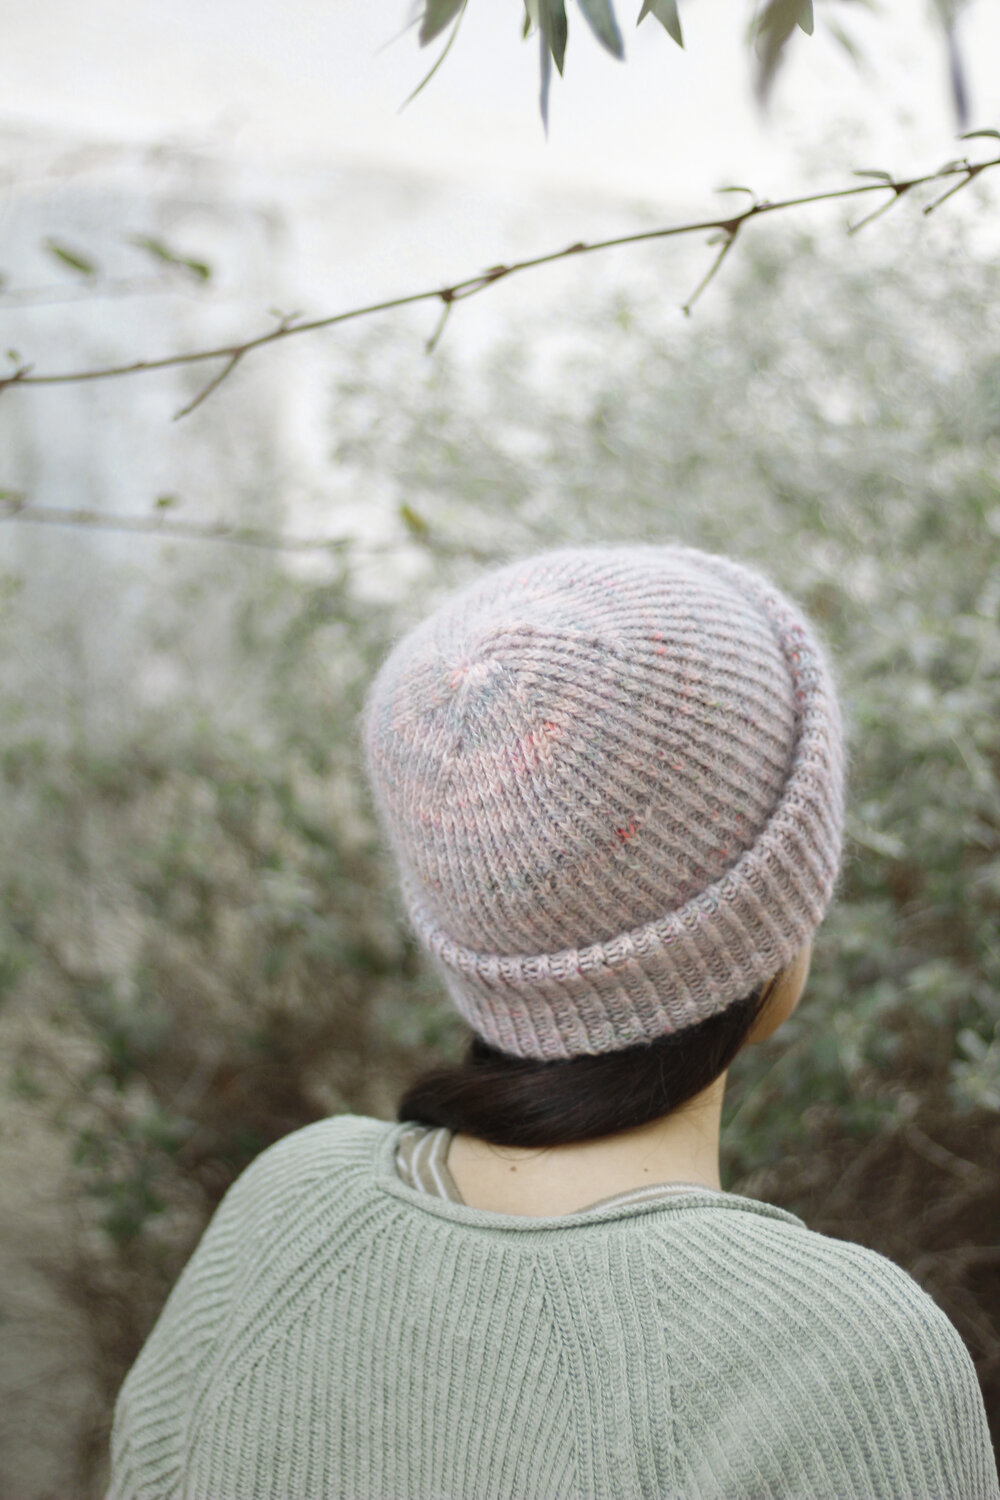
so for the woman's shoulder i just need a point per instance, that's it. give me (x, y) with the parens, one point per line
(780, 1272)
(781, 1330)
(772, 1243)
(849, 1336)
(332, 1152)
(343, 1136)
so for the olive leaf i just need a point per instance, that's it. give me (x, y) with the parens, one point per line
(552, 21)
(437, 15)
(665, 12)
(162, 252)
(72, 258)
(545, 80)
(413, 521)
(601, 19)
(772, 30)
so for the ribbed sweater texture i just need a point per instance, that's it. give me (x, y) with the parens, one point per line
(341, 1335)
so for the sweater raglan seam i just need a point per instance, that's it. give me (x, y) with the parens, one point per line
(205, 1405)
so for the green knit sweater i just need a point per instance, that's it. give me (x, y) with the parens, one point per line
(339, 1333)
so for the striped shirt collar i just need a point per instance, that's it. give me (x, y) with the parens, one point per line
(422, 1163)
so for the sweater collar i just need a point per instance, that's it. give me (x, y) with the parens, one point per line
(690, 1198)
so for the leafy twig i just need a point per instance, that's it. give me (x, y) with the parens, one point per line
(471, 286)
(972, 171)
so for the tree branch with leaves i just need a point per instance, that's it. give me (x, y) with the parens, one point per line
(770, 30)
(722, 229)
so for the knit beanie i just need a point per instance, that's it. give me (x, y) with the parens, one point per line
(612, 779)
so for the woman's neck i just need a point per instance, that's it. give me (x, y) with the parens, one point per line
(536, 1181)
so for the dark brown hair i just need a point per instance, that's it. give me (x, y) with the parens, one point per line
(515, 1101)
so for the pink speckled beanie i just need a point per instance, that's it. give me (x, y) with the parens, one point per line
(612, 778)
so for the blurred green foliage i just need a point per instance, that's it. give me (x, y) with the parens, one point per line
(197, 926)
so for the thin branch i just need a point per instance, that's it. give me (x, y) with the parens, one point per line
(212, 385)
(473, 285)
(15, 507)
(435, 338)
(728, 241)
(898, 189)
(972, 171)
(940, 1157)
(21, 374)
(122, 286)
(18, 509)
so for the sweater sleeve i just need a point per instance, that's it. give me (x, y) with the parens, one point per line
(918, 1412)
(957, 1431)
(153, 1410)
(827, 1371)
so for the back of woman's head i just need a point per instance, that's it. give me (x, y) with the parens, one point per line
(612, 779)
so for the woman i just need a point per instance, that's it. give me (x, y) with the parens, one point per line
(612, 783)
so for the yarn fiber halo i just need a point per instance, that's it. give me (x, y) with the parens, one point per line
(612, 779)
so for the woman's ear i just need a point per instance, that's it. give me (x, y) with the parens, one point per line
(782, 996)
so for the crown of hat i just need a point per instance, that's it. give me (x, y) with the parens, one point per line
(612, 781)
